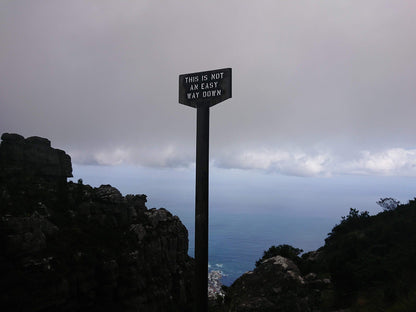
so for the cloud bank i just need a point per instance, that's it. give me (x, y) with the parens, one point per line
(319, 88)
(391, 162)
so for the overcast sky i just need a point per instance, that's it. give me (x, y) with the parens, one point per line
(320, 88)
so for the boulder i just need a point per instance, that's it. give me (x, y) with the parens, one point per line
(276, 284)
(107, 193)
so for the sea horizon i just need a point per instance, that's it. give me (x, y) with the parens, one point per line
(237, 241)
(247, 218)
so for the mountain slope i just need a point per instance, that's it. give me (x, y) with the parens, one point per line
(70, 247)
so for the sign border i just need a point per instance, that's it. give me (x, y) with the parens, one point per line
(226, 86)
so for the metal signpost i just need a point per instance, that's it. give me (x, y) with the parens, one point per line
(201, 91)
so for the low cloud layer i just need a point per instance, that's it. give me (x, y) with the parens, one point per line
(391, 162)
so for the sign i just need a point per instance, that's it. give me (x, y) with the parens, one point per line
(203, 90)
(210, 87)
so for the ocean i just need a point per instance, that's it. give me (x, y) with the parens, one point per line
(237, 241)
(250, 211)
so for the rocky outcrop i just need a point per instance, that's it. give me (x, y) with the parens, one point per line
(67, 246)
(276, 285)
(32, 157)
(31, 170)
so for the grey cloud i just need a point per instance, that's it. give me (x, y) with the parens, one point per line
(99, 77)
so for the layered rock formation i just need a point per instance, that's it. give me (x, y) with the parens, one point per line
(67, 246)
(276, 285)
(32, 157)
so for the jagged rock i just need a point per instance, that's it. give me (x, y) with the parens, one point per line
(107, 193)
(312, 255)
(276, 284)
(25, 235)
(137, 201)
(12, 137)
(35, 140)
(139, 230)
(311, 277)
(33, 156)
(70, 247)
(158, 215)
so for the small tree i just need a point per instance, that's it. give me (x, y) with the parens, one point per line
(388, 203)
(286, 251)
(355, 215)
(353, 221)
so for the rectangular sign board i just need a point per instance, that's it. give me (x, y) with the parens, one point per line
(209, 87)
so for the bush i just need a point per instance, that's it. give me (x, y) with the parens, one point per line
(286, 251)
(388, 203)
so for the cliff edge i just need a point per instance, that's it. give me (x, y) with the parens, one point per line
(71, 247)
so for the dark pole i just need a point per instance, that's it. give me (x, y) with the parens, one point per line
(201, 209)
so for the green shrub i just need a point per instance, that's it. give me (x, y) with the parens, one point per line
(284, 250)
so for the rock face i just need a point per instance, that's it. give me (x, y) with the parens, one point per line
(32, 157)
(275, 285)
(67, 246)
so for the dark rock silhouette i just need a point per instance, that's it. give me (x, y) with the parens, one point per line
(31, 157)
(366, 264)
(276, 284)
(67, 246)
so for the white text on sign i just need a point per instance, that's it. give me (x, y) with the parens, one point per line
(203, 87)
